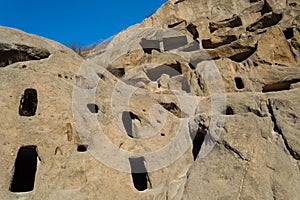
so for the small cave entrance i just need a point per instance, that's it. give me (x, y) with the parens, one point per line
(176, 24)
(279, 86)
(213, 27)
(233, 22)
(193, 30)
(139, 173)
(192, 66)
(179, 1)
(82, 148)
(288, 33)
(93, 108)
(117, 72)
(229, 111)
(198, 140)
(244, 55)
(239, 83)
(10, 54)
(28, 103)
(25, 169)
(267, 20)
(127, 118)
(173, 108)
(150, 45)
(209, 44)
(170, 69)
(101, 76)
(266, 8)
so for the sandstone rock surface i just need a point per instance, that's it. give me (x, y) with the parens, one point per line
(210, 88)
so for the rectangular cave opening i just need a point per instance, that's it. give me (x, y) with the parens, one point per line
(239, 83)
(28, 103)
(82, 148)
(149, 45)
(25, 170)
(139, 173)
(127, 118)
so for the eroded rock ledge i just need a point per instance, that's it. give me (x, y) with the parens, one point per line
(12, 53)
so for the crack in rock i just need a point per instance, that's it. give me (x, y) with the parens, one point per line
(277, 129)
(234, 151)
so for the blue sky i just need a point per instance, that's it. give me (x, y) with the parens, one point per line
(81, 21)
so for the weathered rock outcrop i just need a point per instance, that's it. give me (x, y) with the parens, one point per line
(198, 101)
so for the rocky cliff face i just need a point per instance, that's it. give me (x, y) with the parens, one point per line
(198, 101)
